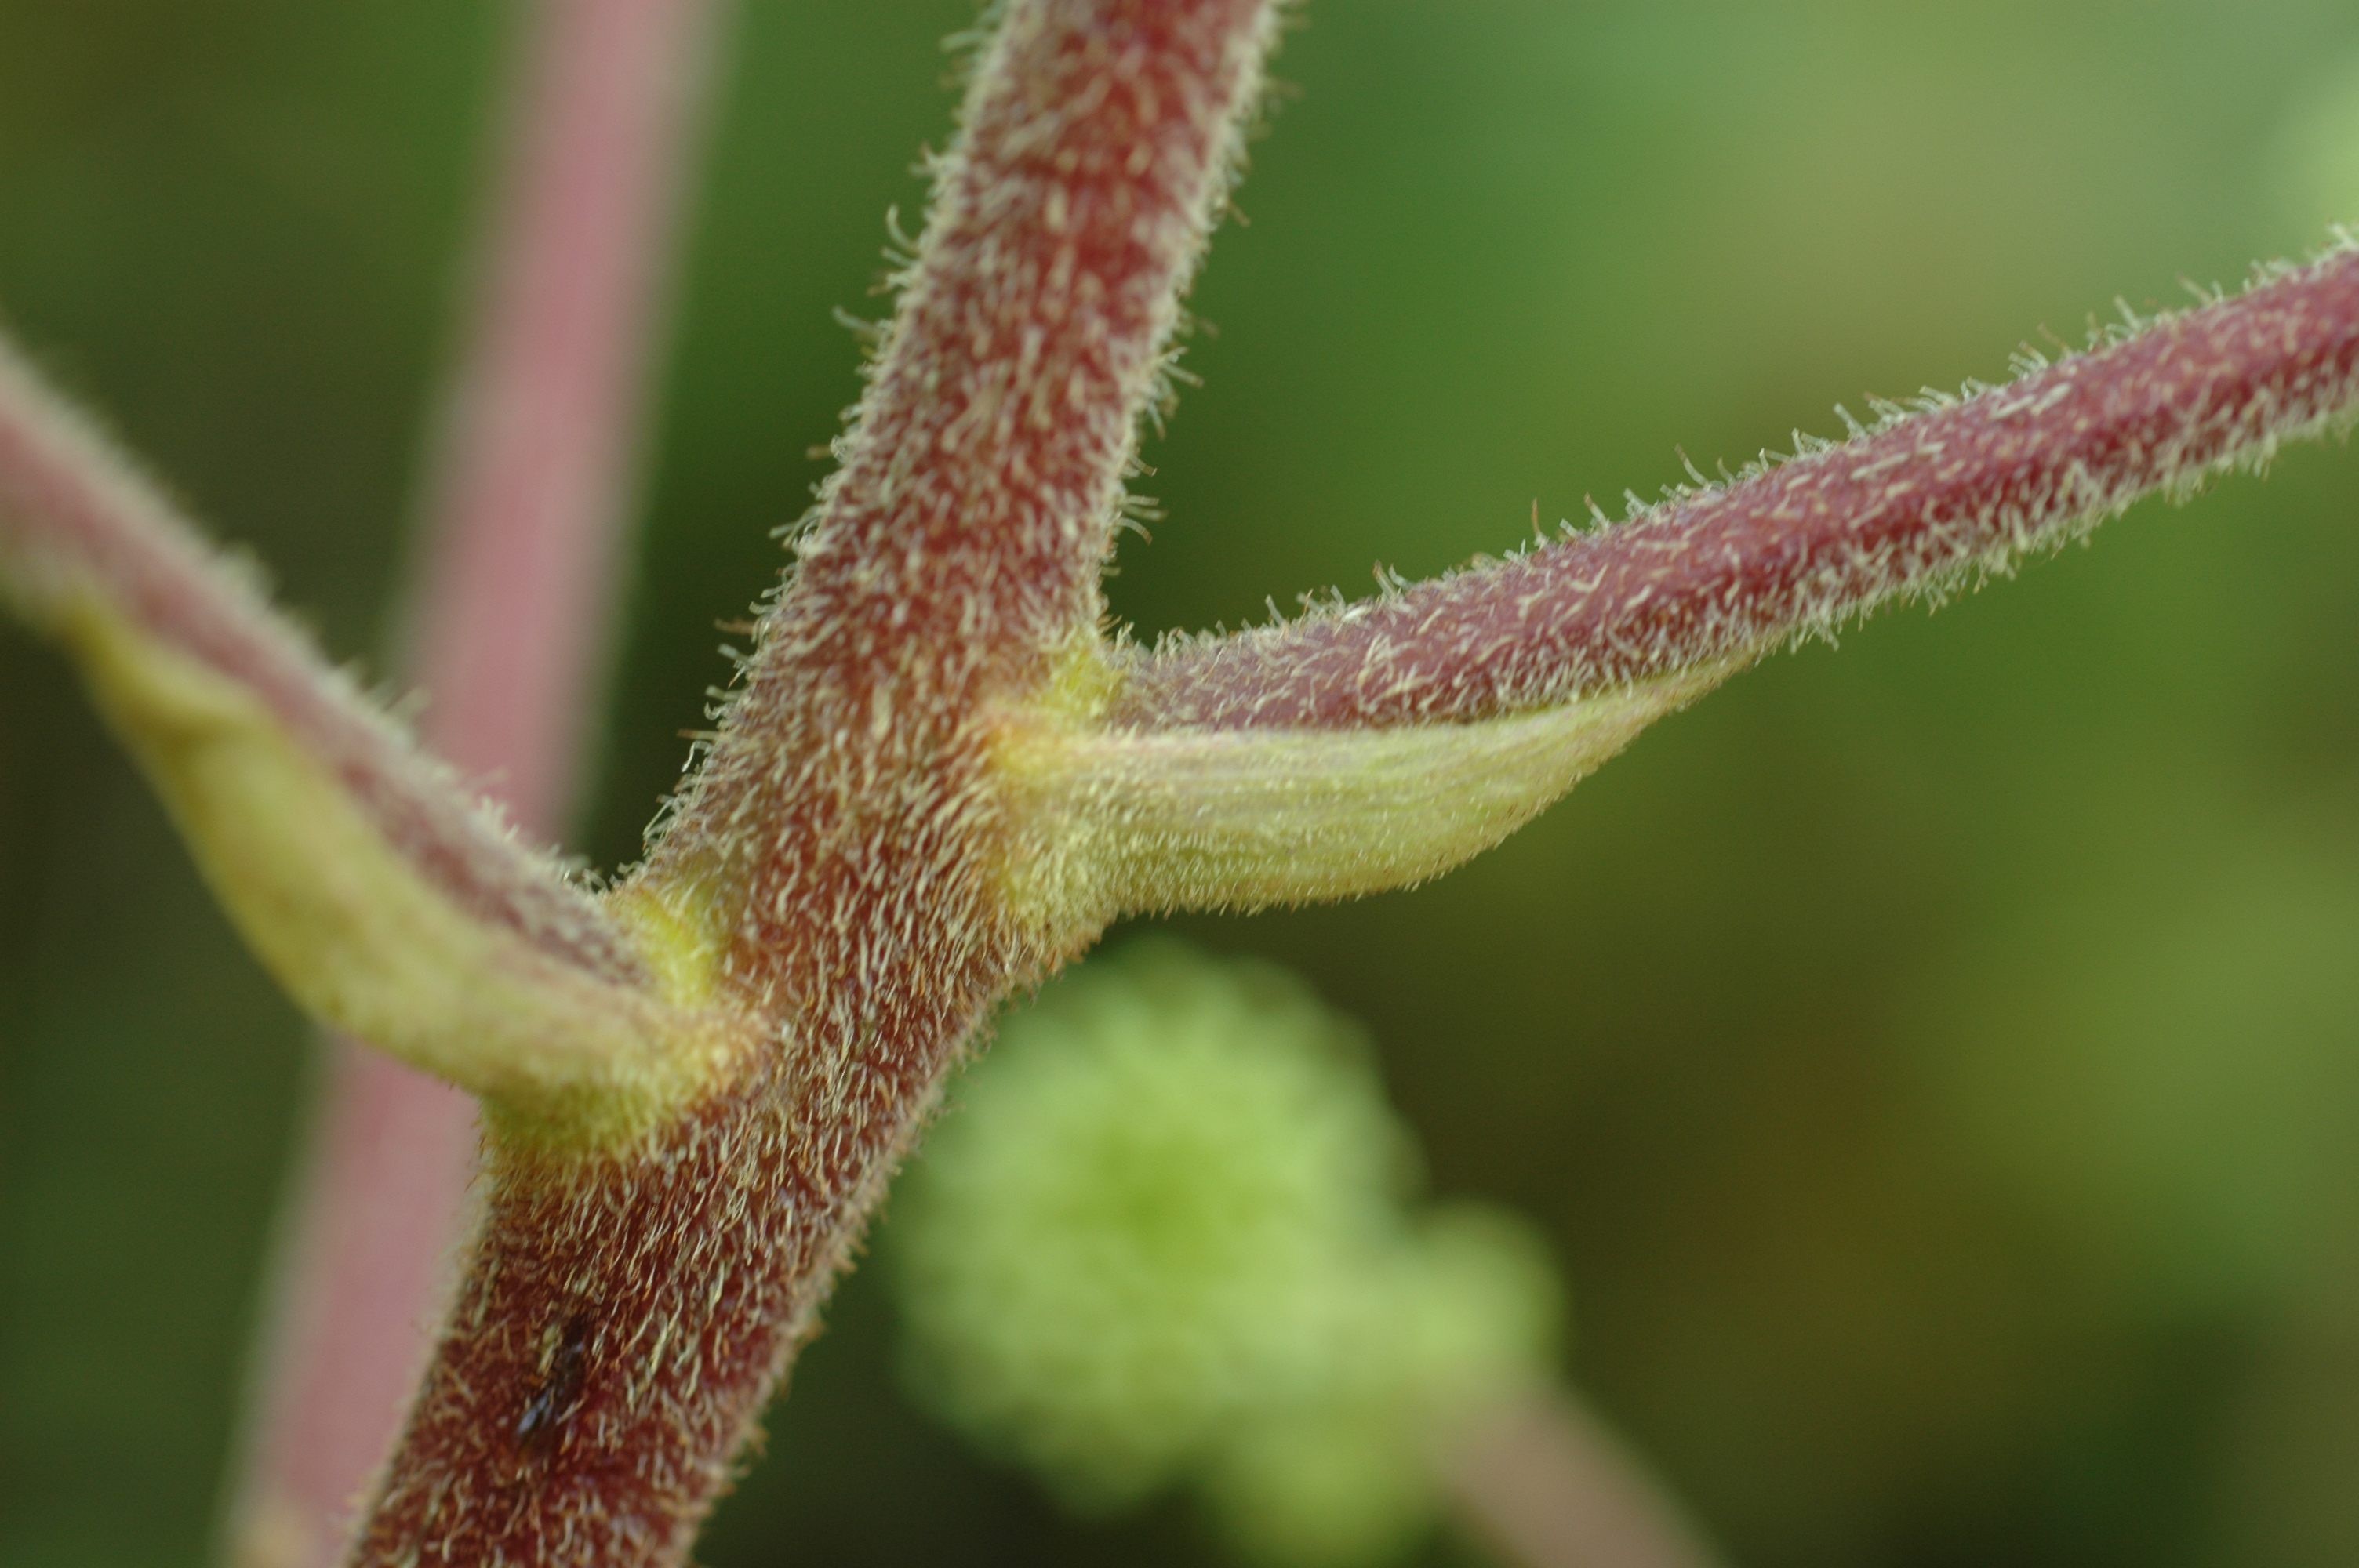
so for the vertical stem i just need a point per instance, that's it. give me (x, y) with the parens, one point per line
(507, 633)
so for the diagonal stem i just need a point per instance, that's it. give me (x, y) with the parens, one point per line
(958, 549)
(1716, 578)
(92, 552)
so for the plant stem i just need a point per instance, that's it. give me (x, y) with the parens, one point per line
(1720, 576)
(1545, 1486)
(841, 857)
(507, 636)
(85, 538)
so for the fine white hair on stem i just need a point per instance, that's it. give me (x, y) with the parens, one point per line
(80, 526)
(1916, 503)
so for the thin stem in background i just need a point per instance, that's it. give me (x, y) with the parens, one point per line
(1545, 1484)
(507, 636)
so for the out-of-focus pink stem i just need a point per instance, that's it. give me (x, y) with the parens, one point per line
(508, 634)
(506, 638)
(1544, 1485)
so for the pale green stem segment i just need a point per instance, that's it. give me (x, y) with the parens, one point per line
(361, 941)
(1113, 821)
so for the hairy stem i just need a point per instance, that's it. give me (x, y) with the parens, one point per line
(1371, 745)
(94, 553)
(507, 637)
(1717, 577)
(839, 866)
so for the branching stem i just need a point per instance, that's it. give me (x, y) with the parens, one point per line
(937, 779)
(839, 867)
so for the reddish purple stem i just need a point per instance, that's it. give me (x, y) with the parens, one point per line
(1728, 572)
(74, 519)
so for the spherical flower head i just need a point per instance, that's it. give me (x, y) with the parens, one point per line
(1149, 1219)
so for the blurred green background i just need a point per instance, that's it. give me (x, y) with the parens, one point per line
(1933, 1061)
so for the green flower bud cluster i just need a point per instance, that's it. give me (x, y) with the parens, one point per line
(1166, 1238)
